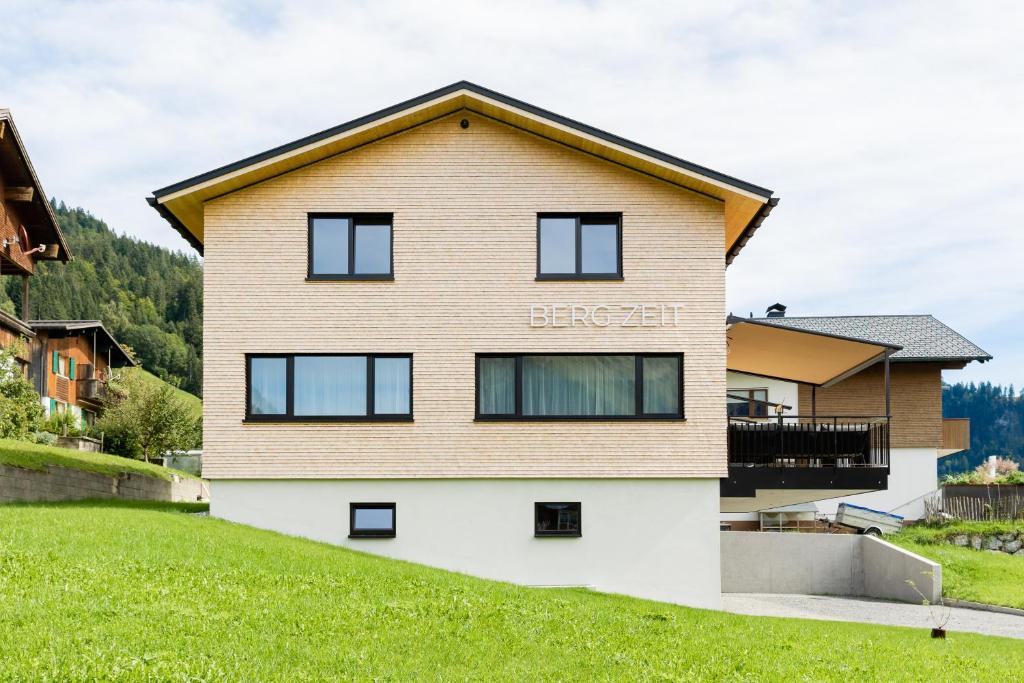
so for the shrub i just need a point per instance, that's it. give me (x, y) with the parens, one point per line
(148, 419)
(62, 424)
(20, 411)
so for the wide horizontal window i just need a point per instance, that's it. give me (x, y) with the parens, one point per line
(325, 387)
(579, 246)
(350, 247)
(579, 386)
(372, 520)
(557, 519)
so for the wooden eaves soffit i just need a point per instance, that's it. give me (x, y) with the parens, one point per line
(745, 205)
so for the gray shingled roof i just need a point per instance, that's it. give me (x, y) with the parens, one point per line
(922, 337)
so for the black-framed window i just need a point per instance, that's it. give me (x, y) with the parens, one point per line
(579, 386)
(350, 246)
(557, 519)
(747, 402)
(585, 246)
(324, 387)
(371, 520)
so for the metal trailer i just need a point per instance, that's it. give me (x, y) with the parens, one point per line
(868, 521)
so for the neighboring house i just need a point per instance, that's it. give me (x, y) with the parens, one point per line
(28, 227)
(72, 366)
(16, 335)
(67, 360)
(505, 328)
(919, 434)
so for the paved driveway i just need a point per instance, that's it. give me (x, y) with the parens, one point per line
(870, 611)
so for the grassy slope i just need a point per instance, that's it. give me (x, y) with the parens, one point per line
(37, 456)
(193, 401)
(115, 593)
(967, 574)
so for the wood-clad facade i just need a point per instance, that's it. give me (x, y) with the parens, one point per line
(916, 400)
(465, 204)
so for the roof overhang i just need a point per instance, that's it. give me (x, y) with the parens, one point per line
(37, 214)
(745, 205)
(784, 353)
(119, 357)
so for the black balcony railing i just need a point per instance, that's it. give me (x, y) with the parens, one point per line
(804, 441)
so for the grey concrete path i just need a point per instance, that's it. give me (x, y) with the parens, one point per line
(870, 611)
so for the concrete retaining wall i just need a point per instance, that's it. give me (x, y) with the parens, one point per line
(825, 564)
(60, 483)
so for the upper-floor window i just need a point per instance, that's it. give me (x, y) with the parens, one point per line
(747, 402)
(579, 386)
(63, 365)
(584, 246)
(350, 247)
(329, 387)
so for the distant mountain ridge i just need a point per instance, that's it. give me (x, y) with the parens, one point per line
(997, 423)
(149, 297)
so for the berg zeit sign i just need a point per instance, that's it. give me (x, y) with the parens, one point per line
(605, 315)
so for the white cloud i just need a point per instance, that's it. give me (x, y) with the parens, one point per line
(890, 130)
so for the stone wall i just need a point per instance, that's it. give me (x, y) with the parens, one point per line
(1009, 543)
(61, 483)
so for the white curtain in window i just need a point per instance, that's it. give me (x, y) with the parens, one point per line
(391, 386)
(330, 385)
(267, 386)
(661, 386)
(497, 386)
(579, 385)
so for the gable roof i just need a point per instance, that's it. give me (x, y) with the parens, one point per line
(69, 328)
(922, 337)
(16, 169)
(746, 204)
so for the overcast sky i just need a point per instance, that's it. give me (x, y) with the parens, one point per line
(891, 131)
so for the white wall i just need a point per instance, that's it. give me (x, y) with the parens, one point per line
(913, 474)
(651, 538)
(779, 391)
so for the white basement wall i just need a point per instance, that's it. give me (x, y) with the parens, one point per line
(650, 538)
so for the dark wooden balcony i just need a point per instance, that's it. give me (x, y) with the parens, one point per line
(92, 391)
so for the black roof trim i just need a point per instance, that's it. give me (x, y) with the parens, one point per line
(472, 87)
(751, 228)
(176, 224)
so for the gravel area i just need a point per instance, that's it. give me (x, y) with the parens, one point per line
(870, 611)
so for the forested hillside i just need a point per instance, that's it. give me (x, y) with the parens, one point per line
(150, 298)
(997, 423)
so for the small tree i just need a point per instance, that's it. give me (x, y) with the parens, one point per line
(147, 419)
(20, 410)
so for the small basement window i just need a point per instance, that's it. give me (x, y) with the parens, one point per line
(371, 520)
(557, 519)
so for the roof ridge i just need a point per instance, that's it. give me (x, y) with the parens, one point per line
(851, 315)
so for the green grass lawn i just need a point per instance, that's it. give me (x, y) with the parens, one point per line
(36, 456)
(967, 574)
(126, 593)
